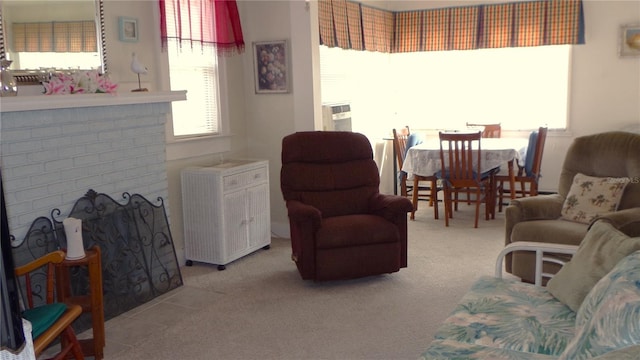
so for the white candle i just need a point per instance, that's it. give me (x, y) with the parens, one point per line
(73, 231)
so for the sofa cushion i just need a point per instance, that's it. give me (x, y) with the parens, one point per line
(450, 349)
(602, 248)
(591, 196)
(509, 314)
(609, 317)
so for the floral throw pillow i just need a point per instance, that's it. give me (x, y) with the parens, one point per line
(592, 196)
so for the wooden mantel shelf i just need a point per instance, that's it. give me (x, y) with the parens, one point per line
(49, 102)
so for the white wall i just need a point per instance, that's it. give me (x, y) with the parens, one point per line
(272, 116)
(605, 89)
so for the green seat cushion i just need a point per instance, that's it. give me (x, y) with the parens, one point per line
(42, 317)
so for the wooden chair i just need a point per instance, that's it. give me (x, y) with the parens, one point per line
(49, 320)
(401, 143)
(399, 148)
(527, 174)
(489, 130)
(460, 174)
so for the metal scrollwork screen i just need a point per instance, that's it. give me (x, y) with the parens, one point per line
(137, 251)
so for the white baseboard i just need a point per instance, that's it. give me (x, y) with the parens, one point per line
(280, 230)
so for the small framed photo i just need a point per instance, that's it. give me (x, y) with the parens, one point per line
(128, 29)
(271, 67)
(629, 40)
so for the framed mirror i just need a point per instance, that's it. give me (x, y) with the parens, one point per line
(43, 36)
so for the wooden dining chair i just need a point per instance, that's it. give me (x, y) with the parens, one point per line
(426, 186)
(49, 320)
(529, 173)
(459, 173)
(399, 148)
(488, 130)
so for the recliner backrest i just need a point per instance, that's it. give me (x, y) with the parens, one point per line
(333, 171)
(614, 154)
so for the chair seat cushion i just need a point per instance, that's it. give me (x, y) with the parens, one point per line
(550, 231)
(42, 317)
(355, 230)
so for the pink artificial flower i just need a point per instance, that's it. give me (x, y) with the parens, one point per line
(80, 82)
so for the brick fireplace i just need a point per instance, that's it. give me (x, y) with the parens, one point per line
(54, 148)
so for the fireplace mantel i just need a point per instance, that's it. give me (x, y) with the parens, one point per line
(47, 102)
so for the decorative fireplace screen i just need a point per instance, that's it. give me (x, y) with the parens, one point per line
(138, 256)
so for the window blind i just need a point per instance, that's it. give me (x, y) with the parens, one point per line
(64, 36)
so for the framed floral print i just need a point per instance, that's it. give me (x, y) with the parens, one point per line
(271, 67)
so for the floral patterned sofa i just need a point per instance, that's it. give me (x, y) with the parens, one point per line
(508, 319)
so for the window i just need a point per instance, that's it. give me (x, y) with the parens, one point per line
(55, 41)
(521, 88)
(194, 69)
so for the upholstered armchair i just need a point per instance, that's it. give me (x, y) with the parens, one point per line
(341, 226)
(611, 155)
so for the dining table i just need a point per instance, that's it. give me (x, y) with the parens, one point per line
(424, 159)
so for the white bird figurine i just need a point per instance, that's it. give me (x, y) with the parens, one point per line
(138, 68)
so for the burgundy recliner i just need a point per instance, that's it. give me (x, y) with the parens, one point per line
(341, 226)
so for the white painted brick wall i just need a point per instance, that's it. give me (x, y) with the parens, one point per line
(50, 158)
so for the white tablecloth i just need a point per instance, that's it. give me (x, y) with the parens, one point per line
(424, 159)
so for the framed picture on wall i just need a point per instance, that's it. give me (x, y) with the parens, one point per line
(128, 29)
(271, 67)
(629, 40)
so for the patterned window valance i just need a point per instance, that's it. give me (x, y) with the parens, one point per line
(351, 25)
(65, 36)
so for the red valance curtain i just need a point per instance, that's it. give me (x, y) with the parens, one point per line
(204, 22)
(532, 23)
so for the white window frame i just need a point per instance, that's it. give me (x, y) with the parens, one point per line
(182, 147)
(175, 49)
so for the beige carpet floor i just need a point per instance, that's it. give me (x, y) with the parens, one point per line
(259, 308)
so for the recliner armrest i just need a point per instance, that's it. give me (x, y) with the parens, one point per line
(540, 207)
(299, 211)
(389, 206)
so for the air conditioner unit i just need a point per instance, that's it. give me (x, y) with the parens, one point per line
(336, 117)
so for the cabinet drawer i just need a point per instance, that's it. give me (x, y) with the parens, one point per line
(236, 181)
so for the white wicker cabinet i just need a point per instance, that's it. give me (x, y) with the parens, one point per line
(226, 211)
